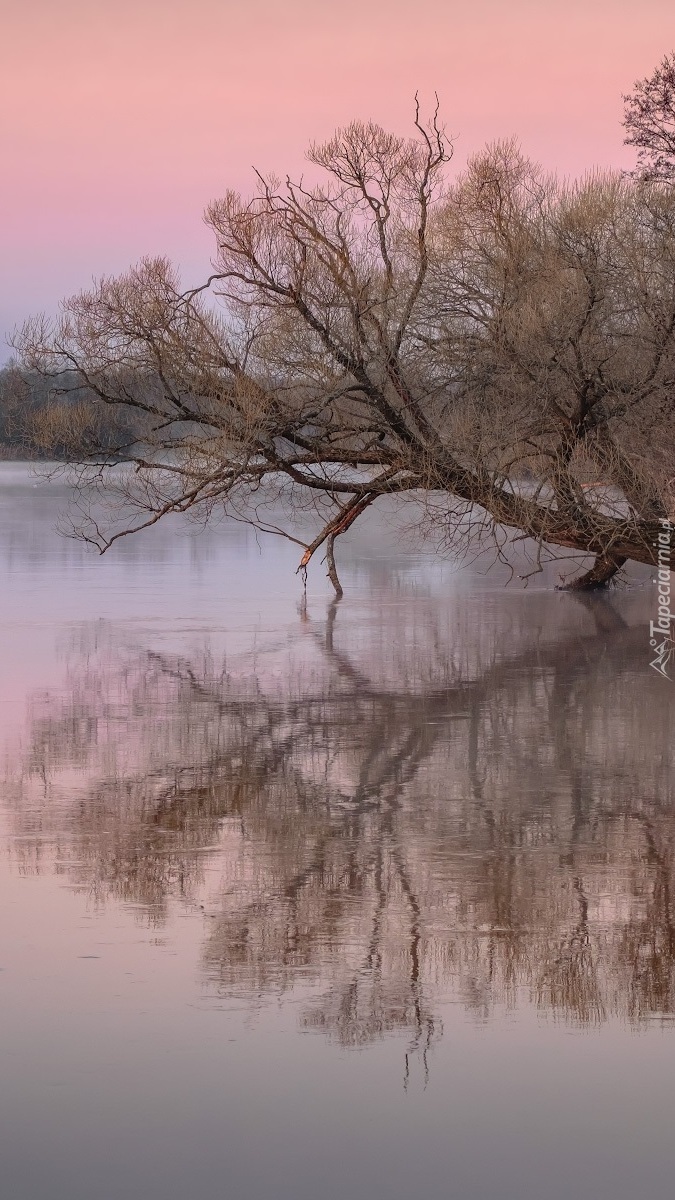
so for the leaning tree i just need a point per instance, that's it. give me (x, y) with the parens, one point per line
(499, 347)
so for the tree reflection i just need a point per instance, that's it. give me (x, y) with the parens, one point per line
(397, 810)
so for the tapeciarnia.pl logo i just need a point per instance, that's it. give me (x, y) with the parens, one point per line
(660, 632)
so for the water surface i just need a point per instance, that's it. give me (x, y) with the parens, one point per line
(302, 899)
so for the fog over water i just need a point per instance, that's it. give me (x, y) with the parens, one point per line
(302, 898)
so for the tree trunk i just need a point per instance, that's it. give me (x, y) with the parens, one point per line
(603, 570)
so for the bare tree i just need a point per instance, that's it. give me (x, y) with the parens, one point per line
(490, 348)
(554, 310)
(649, 122)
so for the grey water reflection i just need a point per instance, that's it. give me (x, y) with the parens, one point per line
(403, 802)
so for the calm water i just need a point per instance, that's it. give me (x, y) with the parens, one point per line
(303, 899)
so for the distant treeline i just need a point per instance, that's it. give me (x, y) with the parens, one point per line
(32, 412)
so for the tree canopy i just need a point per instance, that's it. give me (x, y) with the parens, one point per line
(500, 346)
(649, 122)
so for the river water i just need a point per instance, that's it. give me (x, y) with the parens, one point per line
(307, 899)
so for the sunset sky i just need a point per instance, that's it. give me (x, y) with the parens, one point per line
(120, 119)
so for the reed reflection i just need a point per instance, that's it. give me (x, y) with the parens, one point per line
(424, 803)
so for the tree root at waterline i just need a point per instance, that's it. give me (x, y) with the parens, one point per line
(600, 575)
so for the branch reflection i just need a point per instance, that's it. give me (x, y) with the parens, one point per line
(393, 810)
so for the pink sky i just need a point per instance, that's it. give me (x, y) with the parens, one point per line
(120, 119)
